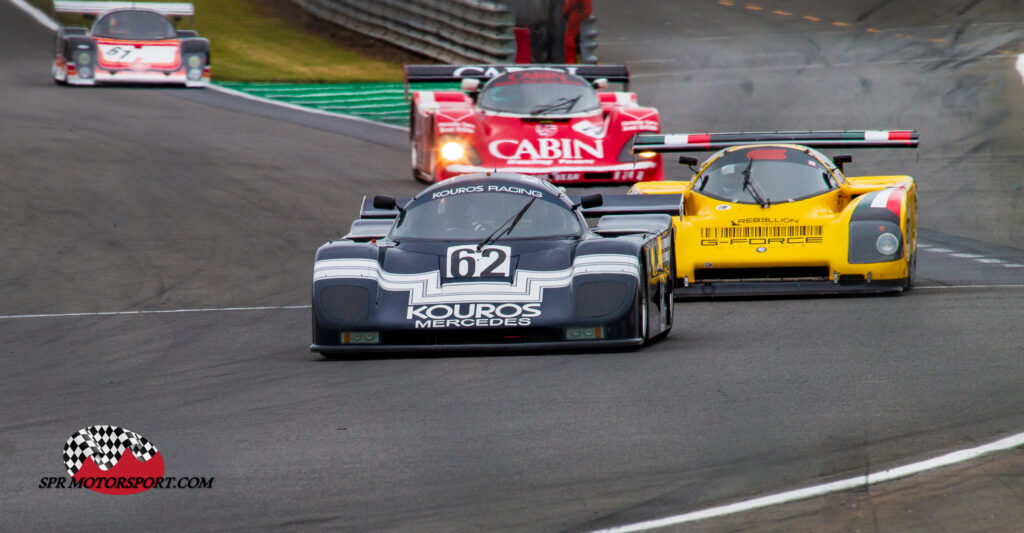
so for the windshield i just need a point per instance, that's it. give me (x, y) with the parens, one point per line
(475, 215)
(777, 174)
(134, 26)
(538, 92)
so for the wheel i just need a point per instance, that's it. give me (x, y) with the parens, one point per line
(911, 271)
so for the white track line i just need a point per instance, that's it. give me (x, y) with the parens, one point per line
(157, 311)
(35, 13)
(948, 459)
(45, 20)
(936, 287)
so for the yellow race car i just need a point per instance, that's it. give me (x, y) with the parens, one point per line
(769, 214)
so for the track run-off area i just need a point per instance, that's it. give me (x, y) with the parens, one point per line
(157, 253)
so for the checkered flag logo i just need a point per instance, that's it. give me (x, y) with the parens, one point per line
(106, 445)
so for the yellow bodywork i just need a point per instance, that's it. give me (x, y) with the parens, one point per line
(712, 234)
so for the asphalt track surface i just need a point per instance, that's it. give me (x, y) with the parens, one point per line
(122, 199)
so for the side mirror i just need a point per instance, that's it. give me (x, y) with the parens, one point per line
(384, 202)
(841, 160)
(470, 85)
(600, 83)
(688, 160)
(591, 200)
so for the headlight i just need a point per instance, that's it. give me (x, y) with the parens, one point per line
(875, 241)
(194, 74)
(85, 72)
(194, 61)
(646, 154)
(887, 244)
(83, 58)
(452, 151)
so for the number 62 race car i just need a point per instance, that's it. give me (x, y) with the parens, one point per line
(496, 261)
(130, 42)
(769, 214)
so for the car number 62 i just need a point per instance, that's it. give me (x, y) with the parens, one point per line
(466, 262)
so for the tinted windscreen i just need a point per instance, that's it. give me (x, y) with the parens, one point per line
(473, 216)
(539, 92)
(134, 26)
(777, 174)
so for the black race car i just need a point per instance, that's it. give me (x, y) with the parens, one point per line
(496, 261)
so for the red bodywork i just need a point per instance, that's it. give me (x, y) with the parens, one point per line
(581, 148)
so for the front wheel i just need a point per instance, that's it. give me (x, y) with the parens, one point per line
(911, 271)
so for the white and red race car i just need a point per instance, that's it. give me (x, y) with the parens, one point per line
(130, 42)
(541, 120)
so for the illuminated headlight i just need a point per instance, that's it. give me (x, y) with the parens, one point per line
(194, 61)
(887, 244)
(646, 154)
(83, 58)
(84, 72)
(360, 337)
(452, 151)
(584, 334)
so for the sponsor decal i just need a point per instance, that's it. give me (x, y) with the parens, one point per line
(118, 461)
(538, 76)
(768, 154)
(510, 189)
(639, 121)
(572, 151)
(472, 315)
(491, 71)
(456, 127)
(467, 262)
(546, 130)
(761, 235)
(630, 126)
(628, 175)
(765, 220)
(566, 176)
(590, 129)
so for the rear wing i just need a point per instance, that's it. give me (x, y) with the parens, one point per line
(613, 204)
(443, 73)
(167, 9)
(633, 204)
(697, 142)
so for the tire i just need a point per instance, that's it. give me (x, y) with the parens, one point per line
(911, 272)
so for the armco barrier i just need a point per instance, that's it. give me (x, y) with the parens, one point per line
(455, 31)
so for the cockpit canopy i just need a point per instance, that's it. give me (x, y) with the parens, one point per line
(134, 25)
(539, 92)
(462, 209)
(772, 174)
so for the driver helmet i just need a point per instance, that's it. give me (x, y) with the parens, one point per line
(731, 180)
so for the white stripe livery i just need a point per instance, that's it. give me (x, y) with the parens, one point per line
(426, 288)
(882, 198)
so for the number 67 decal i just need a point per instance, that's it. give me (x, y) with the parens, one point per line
(466, 262)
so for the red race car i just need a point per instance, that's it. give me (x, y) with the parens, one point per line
(541, 120)
(130, 42)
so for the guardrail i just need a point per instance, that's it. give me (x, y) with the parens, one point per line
(453, 31)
